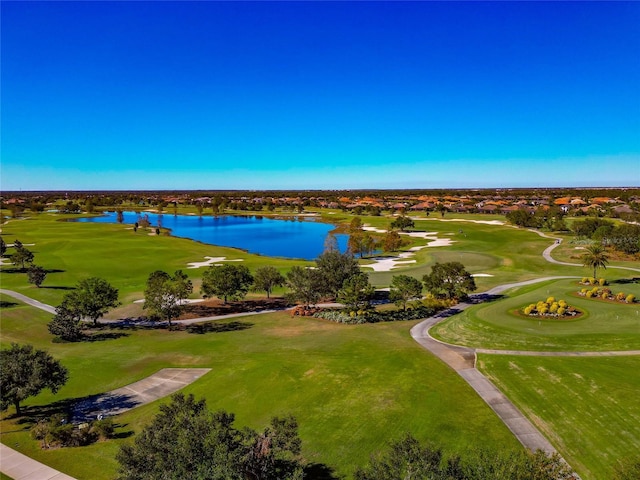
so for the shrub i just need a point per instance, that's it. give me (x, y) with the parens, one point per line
(553, 308)
(561, 311)
(604, 295)
(543, 310)
(583, 291)
(630, 298)
(584, 280)
(528, 310)
(620, 296)
(589, 294)
(602, 282)
(550, 300)
(562, 304)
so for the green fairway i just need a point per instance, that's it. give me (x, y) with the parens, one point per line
(352, 388)
(73, 251)
(588, 407)
(603, 326)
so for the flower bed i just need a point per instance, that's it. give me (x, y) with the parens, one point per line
(551, 309)
(373, 316)
(606, 294)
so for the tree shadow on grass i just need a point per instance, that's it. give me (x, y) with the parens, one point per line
(320, 471)
(213, 327)
(626, 281)
(54, 270)
(4, 304)
(484, 298)
(55, 287)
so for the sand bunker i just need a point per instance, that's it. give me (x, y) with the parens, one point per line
(481, 275)
(211, 261)
(385, 264)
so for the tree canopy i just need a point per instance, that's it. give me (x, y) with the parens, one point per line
(266, 278)
(595, 257)
(92, 298)
(305, 285)
(403, 289)
(408, 458)
(356, 291)
(164, 294)
(402, 223)
(335, 268)
(449, 280)
(226, 281)
(186, 441)
(25, 372)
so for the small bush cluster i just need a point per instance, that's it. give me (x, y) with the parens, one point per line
(593, 281)
(550, 308)
(607, 294)
(373, 316)
(56, 432)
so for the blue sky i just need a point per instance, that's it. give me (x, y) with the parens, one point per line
(271, 95)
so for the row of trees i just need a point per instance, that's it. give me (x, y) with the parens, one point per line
(624, 238)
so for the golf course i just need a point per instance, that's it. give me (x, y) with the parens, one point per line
(352, 388)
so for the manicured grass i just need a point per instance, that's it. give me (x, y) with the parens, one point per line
(73, 251)
(588, 407)
(603, 326)
(352, 388)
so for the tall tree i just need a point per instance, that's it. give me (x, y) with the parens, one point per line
(305, 284)
(92, 298)
(335, 268)
(66, 323)
(3, 247)
(392, 241)
(36, 275)
(226, 282)
(21, 255)
(595, 257)
(403, 289)
(356, 291)
(165, 294)
(449, 280)
(266, 278)
(25, 372)
(187, 441)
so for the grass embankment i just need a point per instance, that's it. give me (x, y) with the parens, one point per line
(603, 326)
(588, 407)
(352, 388)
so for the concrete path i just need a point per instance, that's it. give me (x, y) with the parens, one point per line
(159, 385)
(29, 301)
(462, 361)
(20, 467)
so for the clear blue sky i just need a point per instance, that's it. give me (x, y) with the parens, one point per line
(214, 95)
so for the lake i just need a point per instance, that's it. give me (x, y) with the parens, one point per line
(296, 237)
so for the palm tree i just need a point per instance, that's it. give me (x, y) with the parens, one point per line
(595, 257)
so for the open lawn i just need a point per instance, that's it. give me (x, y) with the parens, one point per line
(603, 326)
(352, 388)
(588, 407)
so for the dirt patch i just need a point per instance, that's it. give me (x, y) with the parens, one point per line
(214, 307)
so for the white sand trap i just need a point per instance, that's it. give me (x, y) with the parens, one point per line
(5, 261)
(24, 245)
(481, 275)
(385, 264)
(211, 261)
(579, 248)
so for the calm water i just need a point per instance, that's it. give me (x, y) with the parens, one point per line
(296, 238)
